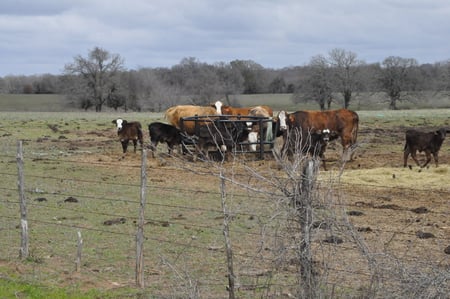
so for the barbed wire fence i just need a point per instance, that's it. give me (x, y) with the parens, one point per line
(184, 251)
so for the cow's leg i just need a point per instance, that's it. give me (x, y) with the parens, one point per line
(170, 147)
(405, 156)
(135, 141)
(428, 155)
(323, 162)
(153, 145)
(124, 145)
(435, 156)
(413, 155)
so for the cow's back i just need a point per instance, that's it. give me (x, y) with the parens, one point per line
(175, 113)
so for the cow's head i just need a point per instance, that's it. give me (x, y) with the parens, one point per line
(326, 135)
(218, 105)
(119, 123)
(282, 118)
(441, 133)
(226, 110)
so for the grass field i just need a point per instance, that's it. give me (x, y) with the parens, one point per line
(361, 101)
(73, 154)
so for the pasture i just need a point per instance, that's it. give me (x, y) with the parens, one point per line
(380, 210)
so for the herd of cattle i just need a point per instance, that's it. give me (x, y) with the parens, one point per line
(232, 128)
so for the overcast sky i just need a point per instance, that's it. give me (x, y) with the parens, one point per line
(41, 36)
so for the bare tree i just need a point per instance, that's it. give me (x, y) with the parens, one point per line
(230, 81)
(317, 86)
(99, 72)
(396, 77)
(253, 75)
(345, 67)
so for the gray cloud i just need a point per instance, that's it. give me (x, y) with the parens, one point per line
(41, 36)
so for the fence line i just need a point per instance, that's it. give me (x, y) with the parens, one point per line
(183, 244)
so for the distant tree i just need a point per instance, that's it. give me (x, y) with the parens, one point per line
(197, 80)
(344, 65)
(99, 72)
(253, 75)
(156, 89)
(16, 84)
(28, 89)
(317, 86)
(397, 77)
(230, 81)
(46, 84)
(278, 85)
(443, 75)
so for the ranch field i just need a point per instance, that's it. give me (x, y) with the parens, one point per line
(381, 230)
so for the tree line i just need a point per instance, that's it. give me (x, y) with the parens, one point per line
(100, 79)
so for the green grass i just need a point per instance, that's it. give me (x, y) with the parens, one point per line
(360, 101)
(33, 102)
(19, 289)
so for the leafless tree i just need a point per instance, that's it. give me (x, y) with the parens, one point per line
(230, 81)
(396, 78)
(317, 85)
(99, 72)
(345, 69)
(253, 75)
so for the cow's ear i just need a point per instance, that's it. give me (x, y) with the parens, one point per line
(291, 119)
(124, 122)
(114, 121)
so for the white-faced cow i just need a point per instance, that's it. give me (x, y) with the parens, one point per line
(314, 143)
(161, 132)
(428, 142)
(129, 131)
(343, 122)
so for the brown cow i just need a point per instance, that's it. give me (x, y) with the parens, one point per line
(129, 131)
(175, 113)
(342, 121)
(229, 110)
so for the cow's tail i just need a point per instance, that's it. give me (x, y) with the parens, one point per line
(355, 128)
(140, 134)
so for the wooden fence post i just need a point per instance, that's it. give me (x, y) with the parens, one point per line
(226, 233)
(79, 249)
(304, 208)
(23, 205)
(140, 232)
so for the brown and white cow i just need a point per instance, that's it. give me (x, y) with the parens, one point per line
(229, 110)
(342, 122)
(428, 142)
(129, 131)
(175, 114)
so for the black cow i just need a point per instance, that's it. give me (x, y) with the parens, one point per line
(428, 142)
(161, 132)
(222, 134)
(313, 143)
(128, 131)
